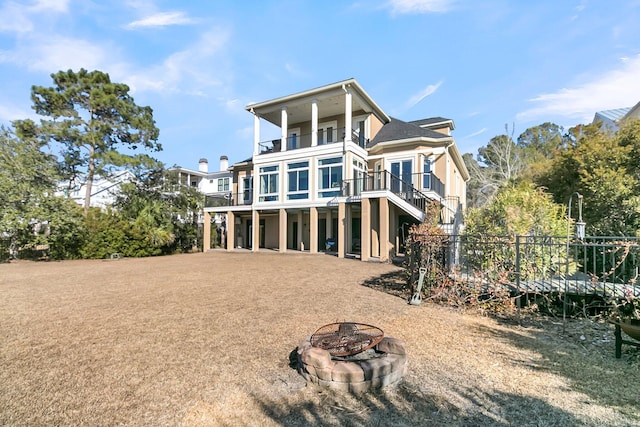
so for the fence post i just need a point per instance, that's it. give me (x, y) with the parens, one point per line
(518, 298)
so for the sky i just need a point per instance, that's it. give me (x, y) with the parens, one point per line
(486, 64)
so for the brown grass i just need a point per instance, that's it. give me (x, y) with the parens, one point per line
(206, 339)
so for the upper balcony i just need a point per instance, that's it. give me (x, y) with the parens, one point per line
(324, 137)
(416, 189)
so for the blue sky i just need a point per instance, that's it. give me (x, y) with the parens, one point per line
(482, 63)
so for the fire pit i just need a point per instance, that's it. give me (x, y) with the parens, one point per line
(352, 357)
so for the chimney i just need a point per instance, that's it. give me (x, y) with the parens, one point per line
(203, 166)
(224, 163)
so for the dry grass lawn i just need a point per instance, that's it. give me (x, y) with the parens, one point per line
(206, 339)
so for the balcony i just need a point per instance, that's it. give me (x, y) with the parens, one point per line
(229, 199)
(325, 137)
(384, 180)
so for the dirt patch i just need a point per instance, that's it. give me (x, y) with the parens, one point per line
(206, 339)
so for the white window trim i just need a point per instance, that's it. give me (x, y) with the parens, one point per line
(298, 192)
(295, 131)
(274, 195)
(322, 127)
(333, 187)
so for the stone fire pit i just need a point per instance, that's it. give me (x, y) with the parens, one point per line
(379, 366)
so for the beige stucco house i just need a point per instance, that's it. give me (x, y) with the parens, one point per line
(342, 177)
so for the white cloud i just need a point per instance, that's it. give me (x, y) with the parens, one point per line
(476, 133)
(614, 89)
(18, 17)
(429, 90)
(55, 53)
(399, 7)
(187, 71)
(61, 6)
(9, 113)
(162, 19)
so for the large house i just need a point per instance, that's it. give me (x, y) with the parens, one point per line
(343, 176)
(611, 119)
(215, 185)
(104, 191)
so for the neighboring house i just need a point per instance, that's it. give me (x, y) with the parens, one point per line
(611, 119)
(103, 190)
(216, 186)
(343, 176)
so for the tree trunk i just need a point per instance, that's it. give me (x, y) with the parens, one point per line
(89, 184)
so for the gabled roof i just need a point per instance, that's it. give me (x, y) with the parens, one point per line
(433, 122)
(613, 115)
(398, 130)
(329, 98)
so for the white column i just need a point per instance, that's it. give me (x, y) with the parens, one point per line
(314, 122)
(283, 127)
(256, 134)
(347, 115)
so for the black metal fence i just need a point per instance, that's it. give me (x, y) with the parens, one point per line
(606, 267)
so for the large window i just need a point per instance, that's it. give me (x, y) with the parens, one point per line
(269, 184)
(426, 177)
(247, 188)
(401, 176)
(298, 176)
(359, 176)
(327, 133)
(223, 184)
(330, 177)
(293, 140)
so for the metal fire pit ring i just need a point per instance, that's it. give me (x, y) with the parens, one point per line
(381, 365)
(346, 338)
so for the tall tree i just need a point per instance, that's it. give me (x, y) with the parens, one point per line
(31, 213)
(498, 163)
(94, 120)
(603, 168)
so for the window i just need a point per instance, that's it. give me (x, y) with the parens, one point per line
(298, 176)
(330, 177)
(223, 184)
(426, 176)
(327, 133)
(269, 184)
(401, 176)
(359, 176)
(247, 187)
(293, 140)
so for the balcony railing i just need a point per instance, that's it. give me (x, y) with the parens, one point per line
(384, 180)
(229, 199)
(303, 141)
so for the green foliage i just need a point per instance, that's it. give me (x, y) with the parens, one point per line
(603, 167)
(93, 120)
(31, 215)
(107, 233)
(519, 209)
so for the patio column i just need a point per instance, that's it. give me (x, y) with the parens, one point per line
(341, 228)
(313, 230)
(365, 229)
(256, 134)
(230, 231)
(299, 244)
(282, 230)
(347, 115)
(283, 129)
(329, 228)
(384, 229)
(255, 224)
(206, 232)
(314, 122)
